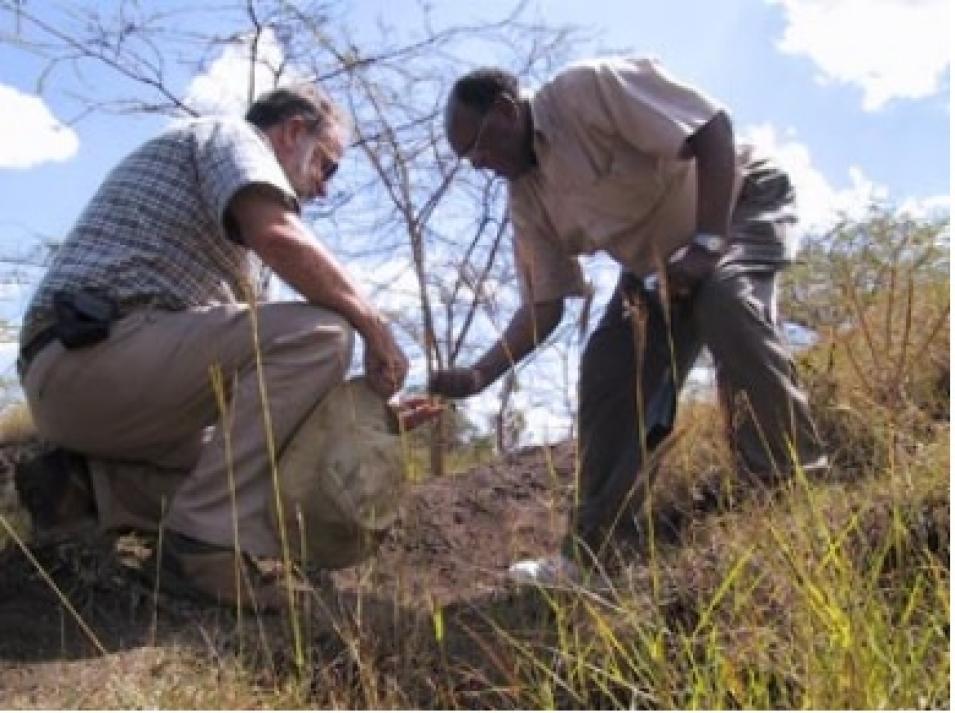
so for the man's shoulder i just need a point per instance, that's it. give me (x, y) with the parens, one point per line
(585, 70)
(189, 134)
(224, 146)
(580, 84)
(216, 129)
(576, 73)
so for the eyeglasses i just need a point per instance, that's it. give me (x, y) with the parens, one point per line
(329, 165)
(468, 153)
(329, 169)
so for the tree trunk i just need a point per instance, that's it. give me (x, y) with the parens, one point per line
(438, 446)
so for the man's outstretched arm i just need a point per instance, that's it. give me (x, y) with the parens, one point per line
(277, 235)
(528, 328)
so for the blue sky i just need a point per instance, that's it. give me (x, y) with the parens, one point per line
(852, 95)
(809, 94)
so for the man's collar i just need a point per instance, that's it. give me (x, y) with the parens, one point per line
(541, 122)
(539, 114)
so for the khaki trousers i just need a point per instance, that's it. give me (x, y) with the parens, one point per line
(163, 447)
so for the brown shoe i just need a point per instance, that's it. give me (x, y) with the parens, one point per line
(54, 486)
(216, 574)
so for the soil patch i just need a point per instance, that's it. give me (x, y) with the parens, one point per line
(451, 549)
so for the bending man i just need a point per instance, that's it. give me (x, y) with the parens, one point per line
(615, 155)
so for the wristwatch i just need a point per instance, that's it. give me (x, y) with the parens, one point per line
(711, 242)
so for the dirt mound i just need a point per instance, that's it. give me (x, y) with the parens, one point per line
(457, 535)
(454, 541)
(425, 619)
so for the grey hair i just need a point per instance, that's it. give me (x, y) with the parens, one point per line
(306, 100)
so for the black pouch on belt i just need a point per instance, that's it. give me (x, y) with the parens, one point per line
(82, 318)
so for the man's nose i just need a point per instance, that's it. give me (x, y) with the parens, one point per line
(321, 185)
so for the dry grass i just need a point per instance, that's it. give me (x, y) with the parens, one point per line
(831, 593)
(16, 424)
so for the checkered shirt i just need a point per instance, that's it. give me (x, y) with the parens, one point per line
(155, 232)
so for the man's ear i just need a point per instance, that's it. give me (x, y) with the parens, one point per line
(291, 131)
(508, 106)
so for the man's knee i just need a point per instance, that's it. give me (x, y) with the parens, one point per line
(729, 309)
(323, 335)
(716, 295)
(337, 337)
(341, 336)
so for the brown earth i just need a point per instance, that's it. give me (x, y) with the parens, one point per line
(449, 552)
(429, 611)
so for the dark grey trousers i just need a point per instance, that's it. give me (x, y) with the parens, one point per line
(733, 314)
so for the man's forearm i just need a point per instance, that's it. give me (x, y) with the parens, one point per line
(278, 236)
(715, 152)
(528, 328)
(311, 269)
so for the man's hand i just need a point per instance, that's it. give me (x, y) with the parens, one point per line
(456, 383)
(386, 366)
(416, 411)
(685, 274)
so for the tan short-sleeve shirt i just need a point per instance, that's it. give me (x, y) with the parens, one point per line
(608, 137)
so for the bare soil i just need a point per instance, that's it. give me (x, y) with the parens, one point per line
(449, 553)
(429, 611)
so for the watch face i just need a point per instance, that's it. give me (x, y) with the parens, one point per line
(712, 243)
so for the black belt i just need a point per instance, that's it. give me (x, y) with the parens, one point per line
(46, 335)
(36, 345)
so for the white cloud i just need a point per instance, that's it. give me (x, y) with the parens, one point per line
(892, 49)
(821, 204)
(29, 133)
(224, 87)
(929, 208)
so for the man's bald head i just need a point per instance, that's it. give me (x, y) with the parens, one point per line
(487, 123)
(478, 89)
